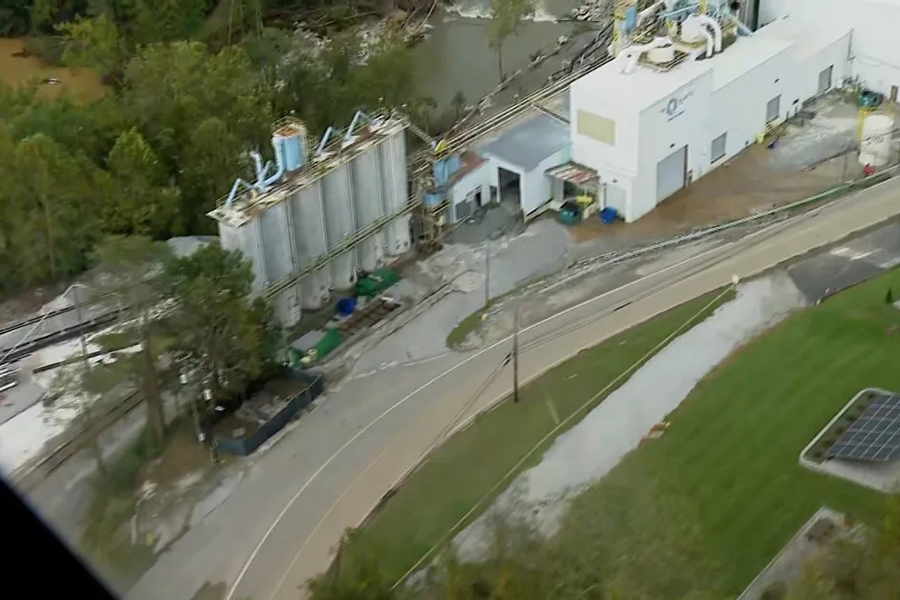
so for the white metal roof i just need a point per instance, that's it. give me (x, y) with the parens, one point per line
(527, 143)
(744, 55)
(810, 40)
(643, 88)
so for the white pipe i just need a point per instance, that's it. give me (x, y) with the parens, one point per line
(632, 54)
(648, 12)
(710, 41)
(717, 29)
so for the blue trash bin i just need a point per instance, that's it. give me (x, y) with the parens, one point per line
(346, 306)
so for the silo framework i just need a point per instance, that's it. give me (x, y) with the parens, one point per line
(313, 229)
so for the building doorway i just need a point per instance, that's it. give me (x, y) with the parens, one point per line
(671, 174)
(510, 185)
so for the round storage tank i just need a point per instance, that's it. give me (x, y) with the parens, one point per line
(875, 145)
(661, 54)
(692, 30)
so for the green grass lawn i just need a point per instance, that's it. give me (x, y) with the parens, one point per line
(699, 512)
(728, 463)
(465, 468)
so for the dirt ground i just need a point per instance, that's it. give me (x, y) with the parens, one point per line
(744, 186)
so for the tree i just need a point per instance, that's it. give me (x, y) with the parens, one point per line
(211, 159)
(53, 205)
(139, 200)
(505, 18)
(131, 281)
(219, 335)
(96, 44)
(166, 20)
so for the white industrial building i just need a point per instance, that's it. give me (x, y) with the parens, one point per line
(684, 94)
(512, 165)
(874, 56)
(661, 116)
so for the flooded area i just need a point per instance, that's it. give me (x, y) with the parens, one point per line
(18, 68)
(457, 57)
(594, 446)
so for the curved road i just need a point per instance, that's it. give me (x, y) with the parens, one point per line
(279, 527)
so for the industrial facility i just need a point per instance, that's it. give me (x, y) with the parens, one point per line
(313, 220)
(874, 58)
(686, 87)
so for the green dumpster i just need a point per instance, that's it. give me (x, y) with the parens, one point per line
(376, 282)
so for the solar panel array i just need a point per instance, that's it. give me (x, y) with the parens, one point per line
(875, 436)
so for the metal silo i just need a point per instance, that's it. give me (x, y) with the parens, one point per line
(279, 256)
(246, 238)
(340, 223)
(396, 191)
(308, 219)
(367, 192)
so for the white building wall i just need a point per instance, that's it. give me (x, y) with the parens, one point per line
(836, 55)
(664, 131)
(739, 108)
(622, 157)
(616, 164)
(875, 53)
(477, 178)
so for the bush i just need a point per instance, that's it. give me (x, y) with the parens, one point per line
(48, 48)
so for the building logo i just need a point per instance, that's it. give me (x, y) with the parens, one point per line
(675, 106)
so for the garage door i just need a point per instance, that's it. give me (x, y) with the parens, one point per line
(670, 174)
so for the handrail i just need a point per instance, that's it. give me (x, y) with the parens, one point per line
(346, 244)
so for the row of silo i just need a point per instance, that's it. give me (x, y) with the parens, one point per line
(308, 215)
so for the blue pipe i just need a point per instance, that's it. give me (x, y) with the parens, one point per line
(328, 133)
(264, 184)
(234, 189)
(356, 118)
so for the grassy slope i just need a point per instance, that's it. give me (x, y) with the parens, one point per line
(729, 460)
(474, 460)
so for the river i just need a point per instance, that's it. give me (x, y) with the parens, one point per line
(456, 56)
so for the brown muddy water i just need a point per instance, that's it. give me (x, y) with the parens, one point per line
(18, 69)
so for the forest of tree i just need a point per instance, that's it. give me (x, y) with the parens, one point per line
(186, 101)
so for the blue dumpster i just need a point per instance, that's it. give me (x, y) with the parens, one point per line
(608, 215)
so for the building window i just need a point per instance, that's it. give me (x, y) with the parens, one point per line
(825, 79)
(717, 149)
(773, 109)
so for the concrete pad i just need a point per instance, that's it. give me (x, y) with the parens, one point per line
(848, 264)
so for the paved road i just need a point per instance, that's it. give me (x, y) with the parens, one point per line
(847, 264)
(279, 527)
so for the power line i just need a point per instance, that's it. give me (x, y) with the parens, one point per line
(555, 429)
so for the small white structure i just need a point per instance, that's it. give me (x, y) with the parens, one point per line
(874, 53)
(518, 160)
(650, 131)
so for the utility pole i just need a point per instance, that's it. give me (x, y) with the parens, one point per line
(85, 405)
(337, 563)
(515, 354)
(487, 275)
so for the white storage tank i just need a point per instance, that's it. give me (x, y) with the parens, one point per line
(875, 145)
(396, 191)
(246, 239)
(279, 259)
(340, 223)
(692, 31)
(367, 191)
(311, 241)
(663, 53)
